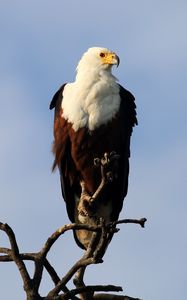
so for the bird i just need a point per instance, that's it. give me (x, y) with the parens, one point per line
(93, 123)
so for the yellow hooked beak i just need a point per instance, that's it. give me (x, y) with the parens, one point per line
(110, 58)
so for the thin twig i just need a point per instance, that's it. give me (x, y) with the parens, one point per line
(23, 256)
(53, 274)
(73, 226)
(39, 266)
(32, 256)
(102, 296)
(102, 244)
(78, 279)
(81, 263)
(16, 256)
(141, 222)
(90, 288)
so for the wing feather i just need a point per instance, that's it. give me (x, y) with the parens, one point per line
(127, 120)
(62, 153)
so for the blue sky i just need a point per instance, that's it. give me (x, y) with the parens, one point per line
(41, 43)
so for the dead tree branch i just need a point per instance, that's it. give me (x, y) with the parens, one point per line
(102, 296)
(141, 222)
(92, 256)
(100, 238)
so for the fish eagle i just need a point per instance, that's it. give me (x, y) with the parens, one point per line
(94, 117)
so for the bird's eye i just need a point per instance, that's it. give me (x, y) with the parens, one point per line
(102, 54)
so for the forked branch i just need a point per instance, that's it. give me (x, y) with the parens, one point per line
(101, 236)
(31, 285)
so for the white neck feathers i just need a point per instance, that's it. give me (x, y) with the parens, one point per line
(92, 100)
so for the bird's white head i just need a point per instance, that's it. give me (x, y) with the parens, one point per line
(94, 98)
(97, 59)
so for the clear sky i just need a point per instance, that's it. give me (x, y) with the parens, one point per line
(41, 42)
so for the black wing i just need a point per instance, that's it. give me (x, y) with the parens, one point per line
(62, 153)
(128, 120)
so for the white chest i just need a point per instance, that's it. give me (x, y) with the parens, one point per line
(90, 104)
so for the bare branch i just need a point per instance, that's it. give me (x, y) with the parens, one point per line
(90, 288)
(101, 236)
(81, 263)
(73, 226)
(16, 256)
(54, 276)
(93, 255)
(23, 256)
(102, 296)
(141, 222)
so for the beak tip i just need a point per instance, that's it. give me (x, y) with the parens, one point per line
(118, 61)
